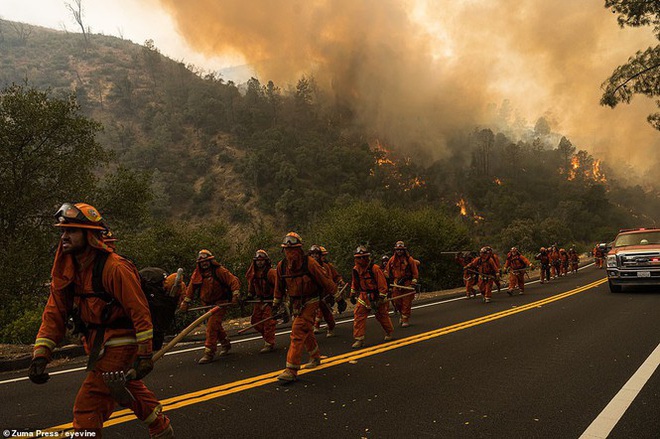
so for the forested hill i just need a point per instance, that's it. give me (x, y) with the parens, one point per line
(214, 148)
(200, 162)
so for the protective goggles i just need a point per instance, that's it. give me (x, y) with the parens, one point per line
(70, 215)
(291, 241)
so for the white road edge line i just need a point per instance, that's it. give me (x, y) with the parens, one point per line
(244, 340)
(603, 425)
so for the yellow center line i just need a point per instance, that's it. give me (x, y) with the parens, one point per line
(184, 400)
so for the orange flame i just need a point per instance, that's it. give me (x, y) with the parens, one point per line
(462, 204)
(575, 165)
(497, 181)
(387, 158)
(597, 173)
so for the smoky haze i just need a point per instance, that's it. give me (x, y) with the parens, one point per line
(414, 72)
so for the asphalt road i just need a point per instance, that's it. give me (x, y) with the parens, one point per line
(541, 365)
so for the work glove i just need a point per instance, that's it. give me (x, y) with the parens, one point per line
(330, 300)
(184, 306)
(353, 300)
(37, 372)
(235, 298)
(341, 306)
(277, 305)
(143, 365)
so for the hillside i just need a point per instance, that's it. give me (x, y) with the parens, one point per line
(198, 162)
(158, 114)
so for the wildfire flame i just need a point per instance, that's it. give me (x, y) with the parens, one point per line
(597, 174)
(462, 204)
(497, 181)
(575, 165)
(386, 158)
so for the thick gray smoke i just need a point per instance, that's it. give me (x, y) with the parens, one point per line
(415, 71)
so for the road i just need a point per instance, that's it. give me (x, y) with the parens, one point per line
(541, 365)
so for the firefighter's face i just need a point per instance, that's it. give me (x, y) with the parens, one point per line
(260, 263)
(361, 261)
(205, 265)
(399, 251)
(73, 241)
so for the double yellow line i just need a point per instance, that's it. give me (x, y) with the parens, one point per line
(187, 399)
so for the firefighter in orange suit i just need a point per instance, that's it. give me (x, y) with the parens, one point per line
(261, 285)
(485, 267)
(216, 285)
(555, 262)
(402, 270)
(325, 305)
(101, 292)
(495, 257)
(338, 280)
(598, 256)
(515, 265)
(563, 259)
(368, 291)
(301, 278)
(574, 259)
(470, 279)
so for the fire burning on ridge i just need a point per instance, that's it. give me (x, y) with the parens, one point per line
(462, 204)
(392, 167)
(588, 168)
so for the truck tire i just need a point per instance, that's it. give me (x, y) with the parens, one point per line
(614, 288)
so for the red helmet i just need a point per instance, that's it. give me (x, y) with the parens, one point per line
(79, 216)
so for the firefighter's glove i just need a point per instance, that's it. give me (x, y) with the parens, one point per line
(330, 300)
(37, 372)
(143, 365)
(353, 300)
(277, 306)
(341, 306)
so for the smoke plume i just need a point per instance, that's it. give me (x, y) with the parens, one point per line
(416, 71)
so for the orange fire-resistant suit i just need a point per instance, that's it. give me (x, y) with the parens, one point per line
(261, 285)
(574, 259)
(215, 286)
(301, 278)
(516, 265)
(563, 260)
(555, 261)
(487, 270)
(117, 331)
(402, 270)
(368, 284)
(598, 256)
(470, 279)
(325, 310)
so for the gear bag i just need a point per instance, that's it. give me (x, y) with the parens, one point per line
(161, 305)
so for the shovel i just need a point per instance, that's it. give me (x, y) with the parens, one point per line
(116, 381)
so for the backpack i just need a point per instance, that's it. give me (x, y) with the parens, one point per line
(161, 305)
